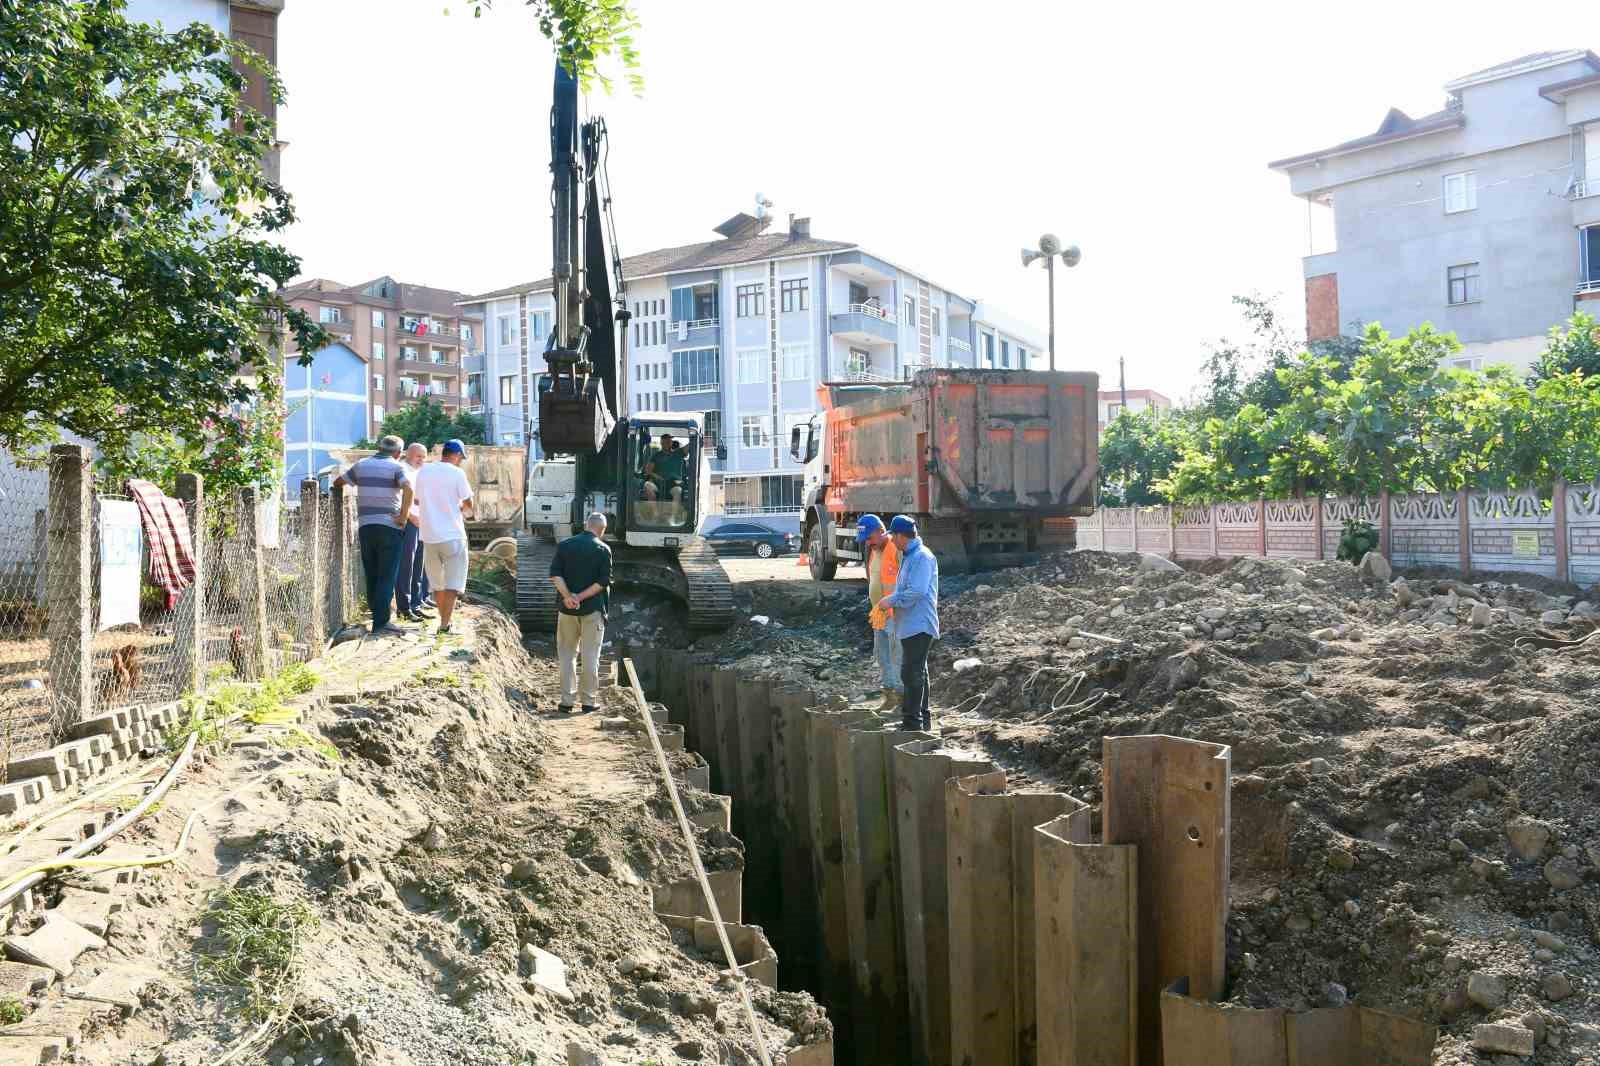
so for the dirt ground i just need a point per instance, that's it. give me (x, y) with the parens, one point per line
(1416, 801)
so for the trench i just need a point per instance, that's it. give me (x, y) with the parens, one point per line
(943, 918)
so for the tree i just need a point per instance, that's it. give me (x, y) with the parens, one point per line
(136, 283)
(585, 32)
(1576, 348)
(426, 422)
(1137, 451)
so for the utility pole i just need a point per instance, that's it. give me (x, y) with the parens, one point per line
(1122, 375)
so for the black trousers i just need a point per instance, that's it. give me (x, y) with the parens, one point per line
(380, 561)
(914, 675)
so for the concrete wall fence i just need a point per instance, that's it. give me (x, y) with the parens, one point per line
(1556, 533)
(946, 917)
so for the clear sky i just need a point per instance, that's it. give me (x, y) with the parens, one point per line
(941, 136)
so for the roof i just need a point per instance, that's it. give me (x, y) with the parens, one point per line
(1558, 91)
(1396, 126)
(382, 290)
(1522, 65)
(706, 255)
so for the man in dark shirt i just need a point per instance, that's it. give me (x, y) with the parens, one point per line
(581, 573)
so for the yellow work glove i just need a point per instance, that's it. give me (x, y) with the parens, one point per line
(879, 617)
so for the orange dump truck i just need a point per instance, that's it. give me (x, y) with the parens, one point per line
(994, 465)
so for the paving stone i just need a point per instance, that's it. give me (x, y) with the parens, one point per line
(18, 795)
(550, 973)
(119, 986)
(111, 723)
(56, 944)
(31, 1050)
(18, 979)
(92, 910)
(42, 764)
(65, 1019)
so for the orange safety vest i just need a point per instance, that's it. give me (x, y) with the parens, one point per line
(888, 573)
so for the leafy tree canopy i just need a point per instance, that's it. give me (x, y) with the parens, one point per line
(584, 33)
(1574, 348)
(136, 284)
(426, 422)
(1138, 448)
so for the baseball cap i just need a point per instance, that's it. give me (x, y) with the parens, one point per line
(866, 526)
(453, 445)
(903, 524)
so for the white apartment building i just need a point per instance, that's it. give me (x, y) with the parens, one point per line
(744, 329)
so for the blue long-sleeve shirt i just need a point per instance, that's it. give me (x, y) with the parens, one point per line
(915, 598)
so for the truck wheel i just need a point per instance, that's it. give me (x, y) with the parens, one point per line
(822, 567)
(764, 550)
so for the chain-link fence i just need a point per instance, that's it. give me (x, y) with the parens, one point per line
(86, 628)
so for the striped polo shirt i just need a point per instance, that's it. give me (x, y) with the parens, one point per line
(379, 482)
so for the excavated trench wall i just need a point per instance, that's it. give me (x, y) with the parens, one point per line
(945, 919)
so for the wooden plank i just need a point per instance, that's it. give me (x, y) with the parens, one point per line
(1198, 1033)
(1169, 796)
(919, 770)
(1087, 941)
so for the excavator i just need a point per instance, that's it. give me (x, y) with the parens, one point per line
(648, 473)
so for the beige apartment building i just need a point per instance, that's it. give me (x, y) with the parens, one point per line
(413, 338)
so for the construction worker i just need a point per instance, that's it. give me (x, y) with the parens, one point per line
(915, 606)
(883, 570)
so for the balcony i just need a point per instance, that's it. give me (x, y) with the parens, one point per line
(414, 391)
(864, 324)
(868, 371)
(431, 335)
(342, 328)
(694, 332)
(424, 365)
(959, 345)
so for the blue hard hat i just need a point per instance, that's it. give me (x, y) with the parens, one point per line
(903, 524)
(866, 526)
(453, 446)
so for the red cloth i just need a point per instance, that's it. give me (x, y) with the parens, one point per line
(166, 530)
(422, 329)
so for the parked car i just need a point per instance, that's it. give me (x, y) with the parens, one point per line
(752, 536)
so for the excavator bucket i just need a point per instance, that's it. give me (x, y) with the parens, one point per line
(574, 417)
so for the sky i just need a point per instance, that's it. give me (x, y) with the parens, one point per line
(943, 137)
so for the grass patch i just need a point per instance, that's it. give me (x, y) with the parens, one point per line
(258, 703)
(11, 1011)
(256, 946)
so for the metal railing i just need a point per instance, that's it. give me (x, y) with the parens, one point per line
(960, 345)
(846, 372)
(871, 311)
(1592, 285)
(705, 386)
(1583, 187)
(415, 330)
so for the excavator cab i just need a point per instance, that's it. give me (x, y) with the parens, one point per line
(664, 480)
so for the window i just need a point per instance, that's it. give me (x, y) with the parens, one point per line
(752, 366)
(1463, 284)
(988, 349)
(780, 493)
(377, 382)
(695, 303)
(377, 319)
(752, 301)
(325, 315)
(377, 351)
(538, 324)
(1589, 257)
(795, 362)
(656, 329)
(407, 352)
(1460, 192)
(791, 419)
(466, 333)
(938, 320)
(1022, 357)
(857, 362)
(475, 389)
(695, 370)
(377, 414)
(909, 307)
(1591, 159)
(1463, 364)
(1112, 411)
(795, 294)
(508, 329)
(508, 389)
(1005, 353)
(755, 431)
(713, 430)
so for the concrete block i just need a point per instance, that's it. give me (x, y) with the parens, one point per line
(17, 796)
(685, 899)
(31, 1050)
(91, 910)
(697, 776)
(56, 944)
(1086, 933)
(715, 814)
(19, 979)
(550, 974)
(919, 770)
(40, 764)
(110, 723)
(118, 986)
(1169, 796)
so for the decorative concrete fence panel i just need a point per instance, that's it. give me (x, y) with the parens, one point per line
(1194, 536)
(1154, 531)
(1292, 529)
(1583, 533)
(1116, 532)
(1512, 531)
(1338, 510)
(1425, 529)
(1238, 528)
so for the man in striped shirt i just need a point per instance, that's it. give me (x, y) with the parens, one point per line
(383, 502)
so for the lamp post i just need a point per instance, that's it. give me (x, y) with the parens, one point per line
(1071, 255)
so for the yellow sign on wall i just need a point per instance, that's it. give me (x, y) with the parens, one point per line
(1525, 543)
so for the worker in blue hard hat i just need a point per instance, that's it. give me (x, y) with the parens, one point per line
(914, 604)
(882, 560)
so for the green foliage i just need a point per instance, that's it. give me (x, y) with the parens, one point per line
(11, 1011)
(1575, 348)
(255, 946)
(1139, 447)
(1357, 540)
(426, 422)
(137, 284)
(585, 32)
(256, 702)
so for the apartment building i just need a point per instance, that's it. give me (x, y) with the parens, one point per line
(1482, 218)
(414, 340)
(1006, 343)
(1114, 401)
(744, 329)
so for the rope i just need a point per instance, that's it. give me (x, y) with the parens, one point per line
(733, 970)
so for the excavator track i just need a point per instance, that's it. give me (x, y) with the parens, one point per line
(710, 590)
(536, 596)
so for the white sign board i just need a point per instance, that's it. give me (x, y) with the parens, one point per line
(121, 552)
(269, 501)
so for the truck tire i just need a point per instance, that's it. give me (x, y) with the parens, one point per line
(822, 566)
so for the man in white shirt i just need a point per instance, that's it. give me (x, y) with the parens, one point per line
(443, 496)
(411, 588)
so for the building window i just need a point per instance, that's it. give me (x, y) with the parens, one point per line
(1589, 257)
(377, 415)
(377, 319)
(407, 352)
(1022, 357)
(713, 428)
(695, 303)
(538, 324)
(1463, 283)
(1460, 192)
(475, 389)
(938, 321)
(377, 382)
(1005, 354)
(508, 389)
(752, 366)
(1112, 411)
(988, 349)
(795, 294)
(466, 333)
(327, 315)
(377, 351)
(795, 362)
(769, 494)
(755, 431)
(752, 301)
(508, 329)
(909, 307)
(695, 370)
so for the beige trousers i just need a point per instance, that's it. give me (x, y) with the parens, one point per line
(578, 639)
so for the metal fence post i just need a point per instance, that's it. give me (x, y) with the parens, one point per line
(312, 570)
(339, 605)
(69, 587)
(252, 587)
(189, 628)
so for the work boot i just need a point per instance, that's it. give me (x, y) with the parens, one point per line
(891, 700)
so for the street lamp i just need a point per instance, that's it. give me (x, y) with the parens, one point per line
(1049, 248)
